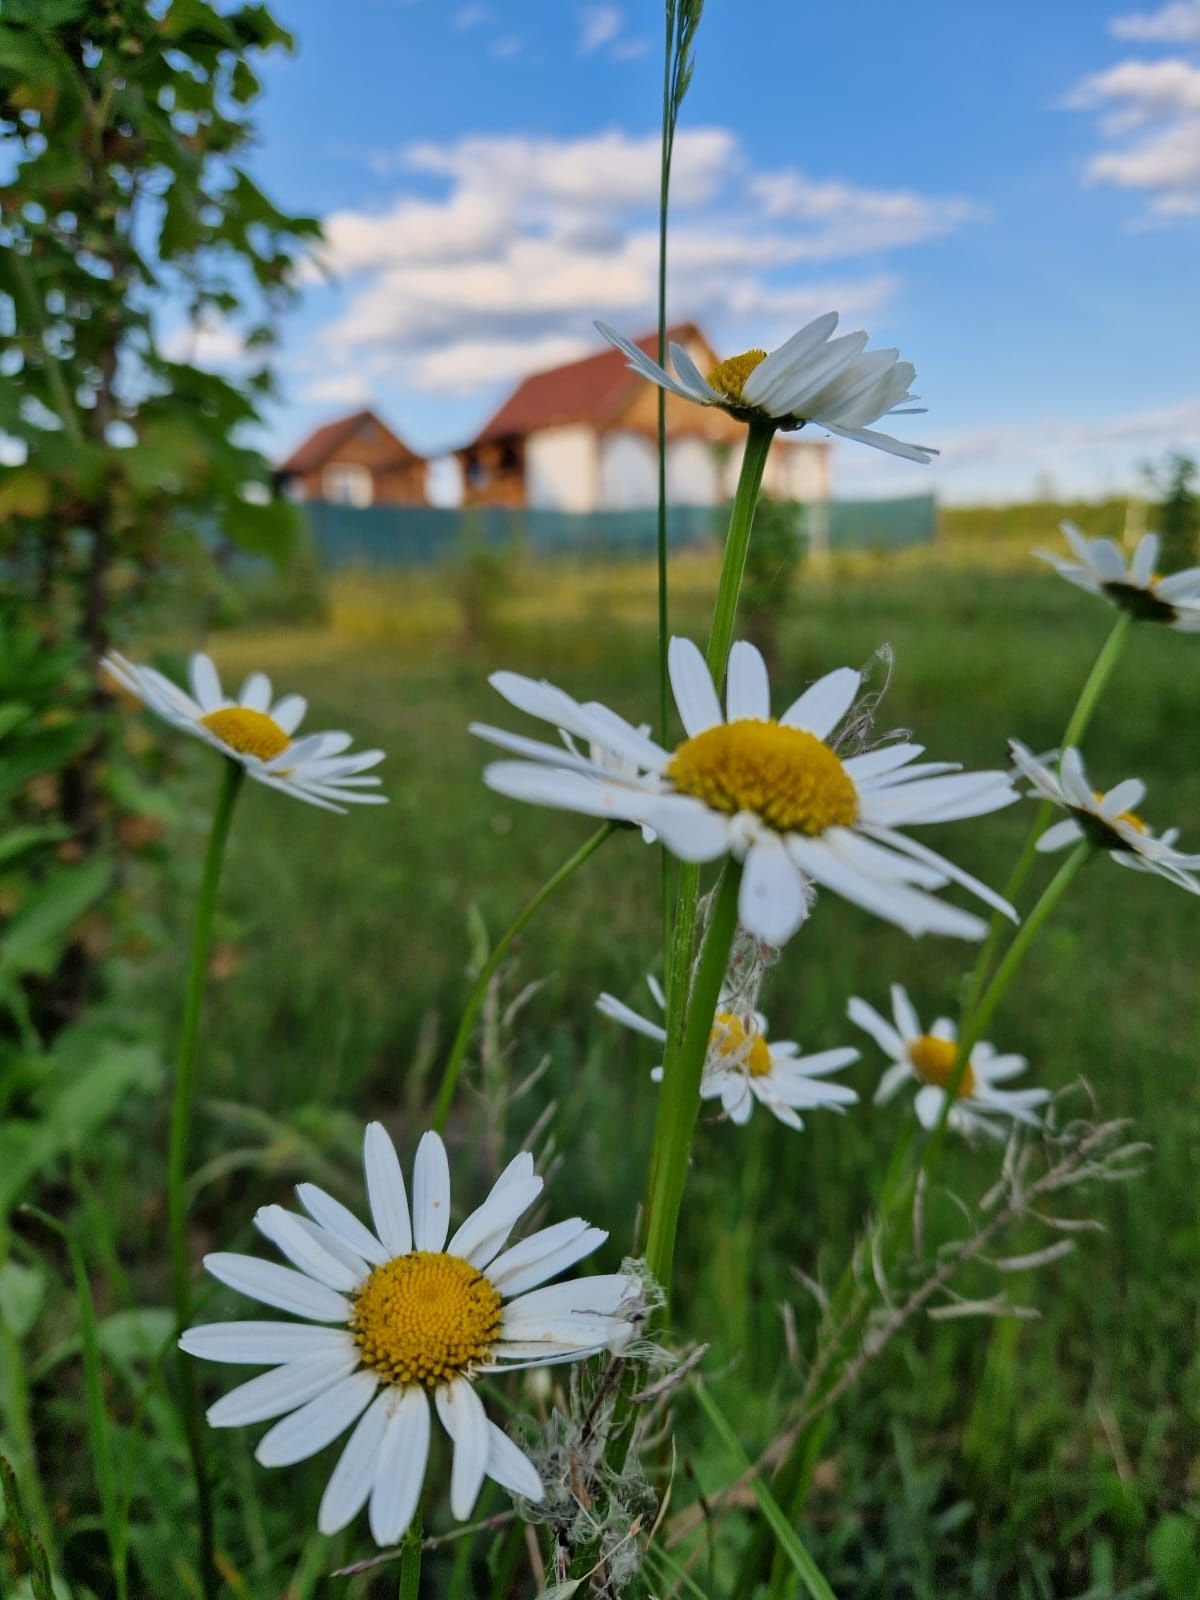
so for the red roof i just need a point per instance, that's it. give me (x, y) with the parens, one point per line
(588, 390)
(312, 453)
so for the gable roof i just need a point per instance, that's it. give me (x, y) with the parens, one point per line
(588, 390)
(324, 442)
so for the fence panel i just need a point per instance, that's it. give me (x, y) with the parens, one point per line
(417, 536)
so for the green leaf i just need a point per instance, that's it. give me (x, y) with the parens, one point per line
(20, 841)
(22, 1292)
(1175, 1556)
(33, 940)
(268, 530)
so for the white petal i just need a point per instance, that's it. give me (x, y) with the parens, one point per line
(511, 1468)
(543, 1255)
(885, 1036)
(263, 1344)
(351, 1481)
(278, 1286)
(687, 827)
(617, 1011)
(431, 1194)
(692, 685)
(823, 705)
(777, 373)
(289, 712)
(908, 1024)
(386, 1192)
(286, 1233)
(568, 791)
(747, 689)
(928, 1105)
(255, 693)
(282, 1389)
(464, 1419)
(1060, 835)
(494, 1218)
(318, 1423)
(1145, 559)
(893, 1080)
(771, 899)
(206, 685)
(342, 1223)
(400, 1470)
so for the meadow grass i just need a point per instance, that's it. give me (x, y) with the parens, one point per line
(978, 1458)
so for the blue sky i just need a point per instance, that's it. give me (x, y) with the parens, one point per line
(1009, 192)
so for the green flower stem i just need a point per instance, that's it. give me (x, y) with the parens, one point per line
(1097, 678)
(181, 1123)
(462, 1039)
(1007, 970)
(741, 519)
(679, 943)
(683, 1065)
(410, 1563)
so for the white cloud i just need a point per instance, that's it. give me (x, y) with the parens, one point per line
(1176, 23)
(602, 28)
(532, 238)
(506, 49)
(471, 16)
(598, 26)
(1160, 101)
(337, 389)
(1006, 460)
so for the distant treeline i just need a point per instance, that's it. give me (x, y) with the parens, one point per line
(1037, 521)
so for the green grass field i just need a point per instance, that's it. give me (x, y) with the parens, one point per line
(1055, 1457)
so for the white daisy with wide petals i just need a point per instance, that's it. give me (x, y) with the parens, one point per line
(773, 793)
(1136, 586)
(399, 1324)
(812, 378)
(258, 732)
(1109, 819)
(744, 1066)
(929, 1059)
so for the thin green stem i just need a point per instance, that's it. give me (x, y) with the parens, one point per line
(479, 989)
(1077, 723)
(177, 1161)
(664, 618)
(1007, 970)
(741, 520)
(683, 1065)
(18, 1416)
(410, 1563)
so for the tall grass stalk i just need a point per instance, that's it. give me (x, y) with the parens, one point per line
(177, 1161)
(683, 1066)
(682, 21)
(466, 1027)
(1077, 724)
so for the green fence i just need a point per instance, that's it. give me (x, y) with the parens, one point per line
(413, 536)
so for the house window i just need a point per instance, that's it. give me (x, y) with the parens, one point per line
(348, 485)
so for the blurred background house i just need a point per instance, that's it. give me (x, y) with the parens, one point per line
(583, 437)
(355, 461)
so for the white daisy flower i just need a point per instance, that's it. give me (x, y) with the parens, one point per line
(257, 733)
(774, 794)
(743, 1066)
(812, 378)
(1138, 588)
(1108, 820)
(397, 1319)
(929, 1059)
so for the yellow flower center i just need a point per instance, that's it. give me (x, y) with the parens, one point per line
(739, 1046)
(933, 1061)
(249, 733)
(1130, 817)
(425, 1318)
(788, 777)
(728, 377)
